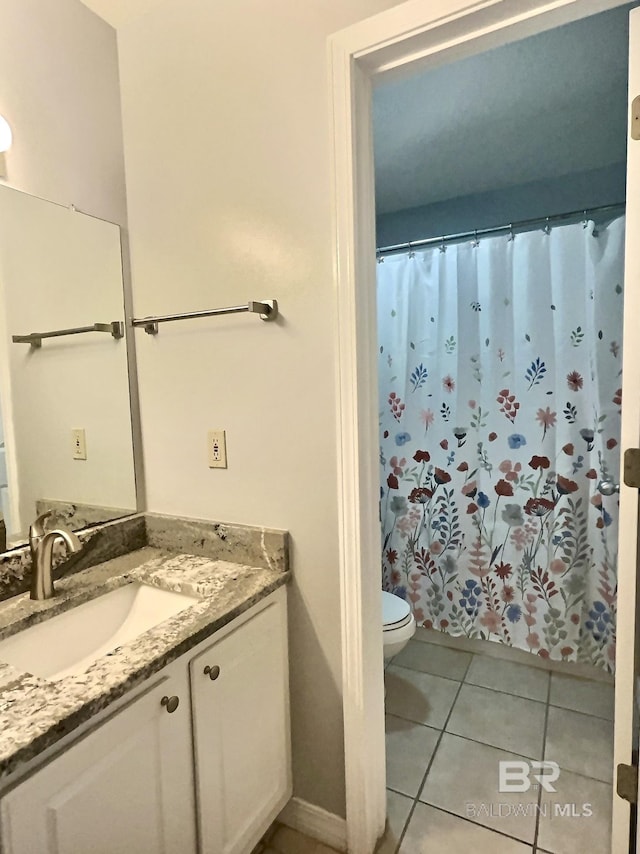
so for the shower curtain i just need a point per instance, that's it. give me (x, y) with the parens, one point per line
(500, 393)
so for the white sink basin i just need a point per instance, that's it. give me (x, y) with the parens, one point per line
(70, 642)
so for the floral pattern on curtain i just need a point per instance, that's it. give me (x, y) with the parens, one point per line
(500, 394)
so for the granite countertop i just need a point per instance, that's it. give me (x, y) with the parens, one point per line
(35, 712)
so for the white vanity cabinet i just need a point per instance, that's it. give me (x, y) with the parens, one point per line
(240, 701)
(156, 779)
(125, 787)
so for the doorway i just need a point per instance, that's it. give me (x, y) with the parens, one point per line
(499, 363)
(406, 38)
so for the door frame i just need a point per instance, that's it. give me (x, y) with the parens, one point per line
(418, 33)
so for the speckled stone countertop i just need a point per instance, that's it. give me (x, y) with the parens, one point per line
(35, 712)
(244, 544)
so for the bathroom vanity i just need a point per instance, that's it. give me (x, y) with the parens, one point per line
(177, 741)
(144, 709)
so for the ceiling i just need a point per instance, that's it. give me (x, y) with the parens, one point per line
(536, 109)
(119, 12)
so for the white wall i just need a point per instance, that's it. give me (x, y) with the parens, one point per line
(227, 152)
(59, 92)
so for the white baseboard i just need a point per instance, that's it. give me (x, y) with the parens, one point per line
(315, 822)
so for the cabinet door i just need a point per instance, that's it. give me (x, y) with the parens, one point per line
(241, 731)
(125, 787)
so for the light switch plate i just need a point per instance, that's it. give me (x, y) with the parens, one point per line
(217, 449)
(79, 445)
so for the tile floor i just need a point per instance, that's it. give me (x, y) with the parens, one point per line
(285, 840)
(452, 715)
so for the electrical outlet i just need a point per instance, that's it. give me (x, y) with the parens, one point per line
(79, 445)
(217, 449)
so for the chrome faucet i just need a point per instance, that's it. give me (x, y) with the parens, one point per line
(41, 544)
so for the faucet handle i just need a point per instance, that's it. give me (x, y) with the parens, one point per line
(36, 529)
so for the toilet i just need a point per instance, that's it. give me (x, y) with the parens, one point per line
(398, 624)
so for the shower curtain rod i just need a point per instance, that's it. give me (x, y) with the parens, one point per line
(499, 229)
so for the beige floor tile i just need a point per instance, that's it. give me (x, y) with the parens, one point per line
(567, 834)
(419, 696)
(431, 830)
(509, 677)
(286, 840)
(409, 748)
(504, 652)
(501, 720)
(580, 743)
(437, 660)
(319, 848)
(582, 695)
(431, 635)
(398, 809)
(463, 779)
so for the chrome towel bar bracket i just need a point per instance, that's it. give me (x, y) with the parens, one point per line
(267, 309)
(115, 328)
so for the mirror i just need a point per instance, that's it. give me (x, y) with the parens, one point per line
(66, 428)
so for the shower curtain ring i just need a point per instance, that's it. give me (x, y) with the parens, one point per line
(476, 242)
(512, 236)
(379, 257)
(547, 228)
(443, 248)
(585, 221)
(412, 254)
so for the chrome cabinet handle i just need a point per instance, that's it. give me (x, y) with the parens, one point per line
(170, 703)
(212, 672)
(608, 487)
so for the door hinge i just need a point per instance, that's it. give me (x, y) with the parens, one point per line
(635, 118)
(632, 467)
(627, 783)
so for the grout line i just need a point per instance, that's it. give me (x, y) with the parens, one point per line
(544, 747)
(482, 744)
(586, 777)
(411, 721)
(476, 824)
(600, 676)
(502, 750)
(508, 693)
(491, 746)
(548, 705)
(452, 679)
(424, 780)
(416, 800)
(487, 744)
(581, 712)
(467, 738)
(427, 673)
(398, 792)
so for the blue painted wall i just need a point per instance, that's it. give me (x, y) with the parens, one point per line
(484, 210)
